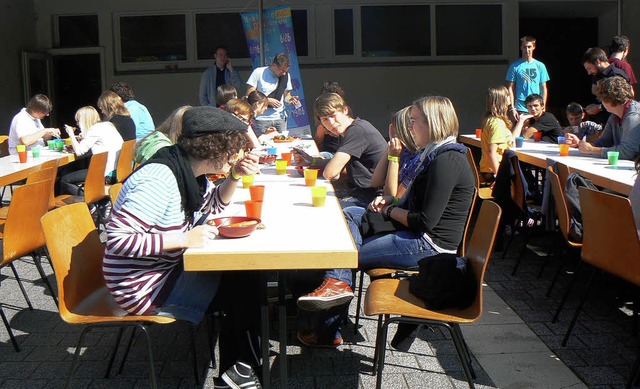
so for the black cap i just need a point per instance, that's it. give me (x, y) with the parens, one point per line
(198, 121)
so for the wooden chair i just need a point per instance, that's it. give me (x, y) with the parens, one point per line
(74, 244)
(114, 190)
(563, 172)
(484, 192)
(124, 167)
(392, 297)
(609, 241)
(48, 174)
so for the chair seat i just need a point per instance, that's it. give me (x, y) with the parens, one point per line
(390, 296)
(3, 212)
(67, 199)
(386, 272)
(100, 307)
(485, 193)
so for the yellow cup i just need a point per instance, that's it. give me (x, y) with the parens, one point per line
(20, 148)
(318, 195)
(310, 176)
(247, 181)
(281, 167)
(564, 149)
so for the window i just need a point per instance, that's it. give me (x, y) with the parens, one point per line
(153, 38)
(78, 31)
(392, 31)
(343, 32)
(220, 29)
(481, 35)
(300, 33)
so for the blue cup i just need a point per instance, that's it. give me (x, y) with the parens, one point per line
(272, 151)
(519, 141)
(561, 140)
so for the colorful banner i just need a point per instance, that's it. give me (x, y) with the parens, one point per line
(278, 38)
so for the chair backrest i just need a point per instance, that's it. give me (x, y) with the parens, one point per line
(480, 247)
(76, 253)
(52, 164)
(124, 167)
(22, 231)
(114, 190)
(610, 239)
(474, 168)
(517, 186)
(462, 248)
(560, 201)
(48, 174)
(563, 172)
(94, 183)
(4, 145)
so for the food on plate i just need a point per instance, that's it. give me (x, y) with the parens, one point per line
(243, 224)
(284, 139)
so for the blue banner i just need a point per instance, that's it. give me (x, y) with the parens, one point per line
(278, 38)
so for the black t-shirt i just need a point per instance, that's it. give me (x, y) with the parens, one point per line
(125, 126)
(364, 143)
(548, 125)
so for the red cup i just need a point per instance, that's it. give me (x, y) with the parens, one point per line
(22, 155)
(537, 136)
(287, 157)
(478, 133)
(256, 192)
(253, 208)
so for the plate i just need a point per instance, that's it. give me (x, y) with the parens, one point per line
(233, 228)
(288, 139)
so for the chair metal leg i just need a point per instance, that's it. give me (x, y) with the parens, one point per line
(24, 292)
(566, 294)
(381, 345)
(462, 354)
(356, 326)
(126, 350)
(76, 355)
(527, 235)
(579, 308)
(114, 352)
(43, 275)
(513, 234)
(456, 327)
(377, 349)
(9, 330)
(152, 370)
(549, 254)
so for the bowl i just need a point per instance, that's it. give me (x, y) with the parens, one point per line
(235, 226)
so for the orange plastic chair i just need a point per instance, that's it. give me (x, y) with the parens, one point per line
(48, 174)
(76, 251)
(386, 297)
(484, 192)
(114, 190)
(124, 167)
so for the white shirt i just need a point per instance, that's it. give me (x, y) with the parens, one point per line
(265, 81)
(99, 138)
(23, 124)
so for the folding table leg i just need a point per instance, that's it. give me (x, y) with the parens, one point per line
(264, 317)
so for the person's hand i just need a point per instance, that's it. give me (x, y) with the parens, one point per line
(228, 65)
(380, 202)
(52, 132)
(274, 103)
(247, 165)
(392, 131)
(70, 130)
(395, 147)
(571, 139)
(297, 157)
(593, 109)
(516, 114)
(585, 147)
(524, 117)
(198, 236)
(293, 100)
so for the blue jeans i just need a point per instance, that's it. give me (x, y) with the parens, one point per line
(260, 126)
(191, 295)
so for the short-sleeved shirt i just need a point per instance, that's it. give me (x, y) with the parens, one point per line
(527, 78)
(141, 118)
(494, 131)
(265, 81)
(23, 124)
(548, 125)
(366, 146)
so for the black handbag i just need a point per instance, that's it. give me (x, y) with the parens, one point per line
(374, 223)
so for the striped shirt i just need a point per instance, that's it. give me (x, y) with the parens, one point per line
(138, 272)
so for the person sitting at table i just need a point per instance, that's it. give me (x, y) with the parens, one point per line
(327, 143)
(496, 131)
(26, 126)
(224, 93)
(243, 111)
(580, 127)
(361, 147)
(622, 131)
(429, 219)
(114, 110)
(154, 221)
(98, 137)
(165, 135)
(393, 170)
(538, 120)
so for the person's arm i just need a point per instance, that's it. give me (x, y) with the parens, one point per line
(246, 166)
(512, 99)
(493, 157)
(252, 139)
(544, 92)
(380, 172)
(234, 77)
(320, 134)
(335, 165)
(83, 147)
(517, 129)
(250, 89)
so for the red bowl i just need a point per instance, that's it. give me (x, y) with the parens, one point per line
(235, 226)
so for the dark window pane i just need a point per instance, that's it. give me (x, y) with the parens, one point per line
(153, 38)
(78, 31)
(343, 31)
(481, 35)
(220, 29)
(391, 31)
(299, 21)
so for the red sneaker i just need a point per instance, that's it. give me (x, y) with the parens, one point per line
(331, 293)
(310, 339)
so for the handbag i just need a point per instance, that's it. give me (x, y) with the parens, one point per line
(374, 223)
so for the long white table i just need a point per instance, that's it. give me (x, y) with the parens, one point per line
(296, 236)
(618, 178)
(11, 170)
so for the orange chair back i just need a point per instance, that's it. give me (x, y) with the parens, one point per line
(560, 201)
(517, 186)
(52, 164)
(94, 183)
(462, 248)
(563, 172)
(474, 168)
(610, 239)
(114, 190)
(124, 167)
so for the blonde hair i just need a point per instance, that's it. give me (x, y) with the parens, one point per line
(111, 104)
(86, 117)
(441, 117)
(497, 105)
(401, 121)
(239, 107)
(327, 104)
(172, 126)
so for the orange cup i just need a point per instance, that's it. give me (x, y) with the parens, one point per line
(287, 157)
(564, 149)
(253, 208)
(537, 136)
(478, 133)
(256, 192)
(310, 177)
(22, 155)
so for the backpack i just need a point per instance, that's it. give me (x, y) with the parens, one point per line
(574, 181)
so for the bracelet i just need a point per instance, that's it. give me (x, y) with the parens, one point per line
(393, 158)
(234, 175)
(395, 201)
(387, 213)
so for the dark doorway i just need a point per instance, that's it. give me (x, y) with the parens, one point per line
(560, 45)
(77, 80)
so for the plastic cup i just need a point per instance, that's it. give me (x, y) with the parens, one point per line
(478, 133)
(564, 149)
(51, 144)
(537, 136)
(67, 142)
(318, 195)
(613, 157)
(272, 151)
(287, 157)
(247, 181)
(519, 141)
(35, 151)
(21, 148)
(281, 167)
(257, 192)
(22, 156)
(310, 177)
(253, 208)
(561, 140)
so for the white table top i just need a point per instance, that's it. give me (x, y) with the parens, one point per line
(297, 235)
(11, 170)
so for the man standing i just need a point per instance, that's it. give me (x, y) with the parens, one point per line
(139, 113)
(618, 52)
(526, 76)
(275, 82)
(26, 127)
(220, 73)
(597, 65)
(542, 121)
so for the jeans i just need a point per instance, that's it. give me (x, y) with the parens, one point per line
(69, 182)
(260, 126)
(191, 295)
